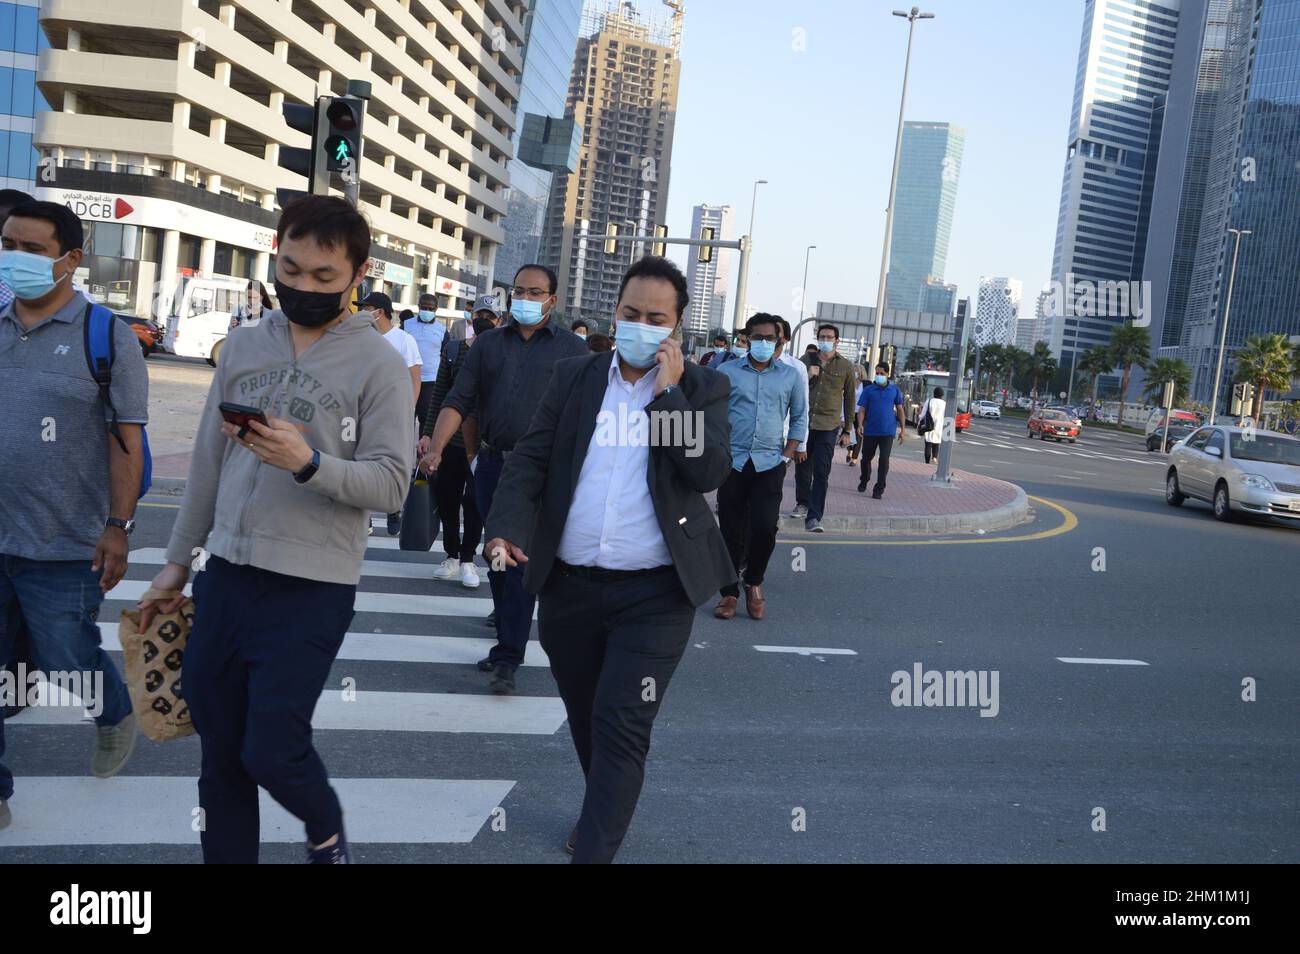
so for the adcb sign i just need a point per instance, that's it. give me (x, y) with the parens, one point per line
(97, 207)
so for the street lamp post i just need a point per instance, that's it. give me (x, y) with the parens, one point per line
(1227, 310)
(803, 293)
(746, 243)
(911, 18)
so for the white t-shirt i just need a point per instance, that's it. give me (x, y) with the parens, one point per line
(405, 345)
(428, 337)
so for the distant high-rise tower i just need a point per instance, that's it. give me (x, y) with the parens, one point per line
(1125, 58)
(1038, 327)
(708, 281)
(996, 311)
(623, 92)
(928, 169)
(545, 143)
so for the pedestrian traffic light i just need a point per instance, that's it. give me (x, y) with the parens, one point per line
(334, 125)
(611, 230)
(343, 119)
(658, 248)
(1239, 399)
(706, 251)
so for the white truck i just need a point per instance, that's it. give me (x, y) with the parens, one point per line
(198, 322)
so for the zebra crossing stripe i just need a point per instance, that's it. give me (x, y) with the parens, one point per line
(388, 569)
(163, 810)
(366, 602)
(387, 712)
(396, 647)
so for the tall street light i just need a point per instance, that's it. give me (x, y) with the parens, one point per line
(911, 18)
(1227, 310)
(803, 300)
(746, 242)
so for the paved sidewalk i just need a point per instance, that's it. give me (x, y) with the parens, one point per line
(912, 504)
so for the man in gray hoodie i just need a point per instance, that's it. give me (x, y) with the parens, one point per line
(275, 518)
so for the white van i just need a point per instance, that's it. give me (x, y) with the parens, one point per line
(197, 326)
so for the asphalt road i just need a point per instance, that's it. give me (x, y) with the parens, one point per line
(750, 743)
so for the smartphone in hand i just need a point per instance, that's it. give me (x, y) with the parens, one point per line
(240, 414)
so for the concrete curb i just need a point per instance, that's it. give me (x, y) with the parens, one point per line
(985, 521)
(167, 487)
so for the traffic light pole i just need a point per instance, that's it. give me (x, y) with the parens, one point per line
(956, 376)
(352, 183)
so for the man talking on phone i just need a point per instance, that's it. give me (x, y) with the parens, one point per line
(275, 518)
(612, 530)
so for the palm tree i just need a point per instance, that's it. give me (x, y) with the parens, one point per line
(1095, 362)
(1162, 371)
(991, 360)
(915, 359)
(1129, 346)
(1267, 362)
(1039, 364)
(1014, 362)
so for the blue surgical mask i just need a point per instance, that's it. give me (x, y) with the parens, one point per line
(637, 342)
(761, 351)
(717, 350)
(427, 316)
(526, 312)
(826, 347)
(881, 380)
(739, 350)
(28, 275)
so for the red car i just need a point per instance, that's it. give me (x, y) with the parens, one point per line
(146, 331)
(1046, 423)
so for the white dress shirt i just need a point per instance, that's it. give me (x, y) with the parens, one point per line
(803, 373)
(612, 522)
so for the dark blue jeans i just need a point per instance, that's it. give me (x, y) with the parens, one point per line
(817, 472)
(59, 601)
(513, 604)
(257, 660)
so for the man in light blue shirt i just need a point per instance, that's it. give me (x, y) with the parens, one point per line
(763, 392)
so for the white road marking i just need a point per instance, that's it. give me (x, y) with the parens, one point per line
(1001, 462)
(1102, 662)
(391, 712)
(366, 602)
(160, 810)
(1066, 476)
(805, 650)
(395, 647)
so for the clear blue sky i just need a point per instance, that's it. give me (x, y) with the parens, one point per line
(819, 124)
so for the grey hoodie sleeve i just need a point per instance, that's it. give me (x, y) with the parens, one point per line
(198, 507)
(379, 473)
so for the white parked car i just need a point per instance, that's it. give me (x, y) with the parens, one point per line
(1237, 470)
(986, 409)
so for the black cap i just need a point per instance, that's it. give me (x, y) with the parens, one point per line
(380, 301)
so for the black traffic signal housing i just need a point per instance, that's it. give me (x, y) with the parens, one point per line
(334, 125)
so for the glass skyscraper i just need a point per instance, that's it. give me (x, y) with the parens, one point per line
(1125, 61)
(545, 142)
(928, 169)
(21, 40)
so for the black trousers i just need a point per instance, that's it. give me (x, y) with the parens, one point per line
(613, 647)
(254, 668)
(760, 493)
(931, 451)
(870, 443)
(422, 402)
(453, 490)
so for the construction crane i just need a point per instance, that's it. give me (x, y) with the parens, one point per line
(679, 10)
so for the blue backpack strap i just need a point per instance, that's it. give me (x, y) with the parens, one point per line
(97, 325)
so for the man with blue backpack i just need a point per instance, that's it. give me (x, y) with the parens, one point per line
(74, 398)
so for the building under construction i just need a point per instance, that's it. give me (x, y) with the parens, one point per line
(623, 92)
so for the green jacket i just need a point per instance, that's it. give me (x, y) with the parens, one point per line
(830, 394)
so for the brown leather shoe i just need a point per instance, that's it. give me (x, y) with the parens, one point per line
(754, 601)
(726, 608)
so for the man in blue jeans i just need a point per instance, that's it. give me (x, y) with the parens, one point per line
(73, 479)
(880, 415)
(499, 387)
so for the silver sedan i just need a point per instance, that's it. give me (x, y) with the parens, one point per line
(1237, 470)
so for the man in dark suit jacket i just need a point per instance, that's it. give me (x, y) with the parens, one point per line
(603, 502)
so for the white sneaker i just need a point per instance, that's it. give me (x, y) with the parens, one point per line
(449, 569)
(469, 575)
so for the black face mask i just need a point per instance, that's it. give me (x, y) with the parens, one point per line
(309, 309)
